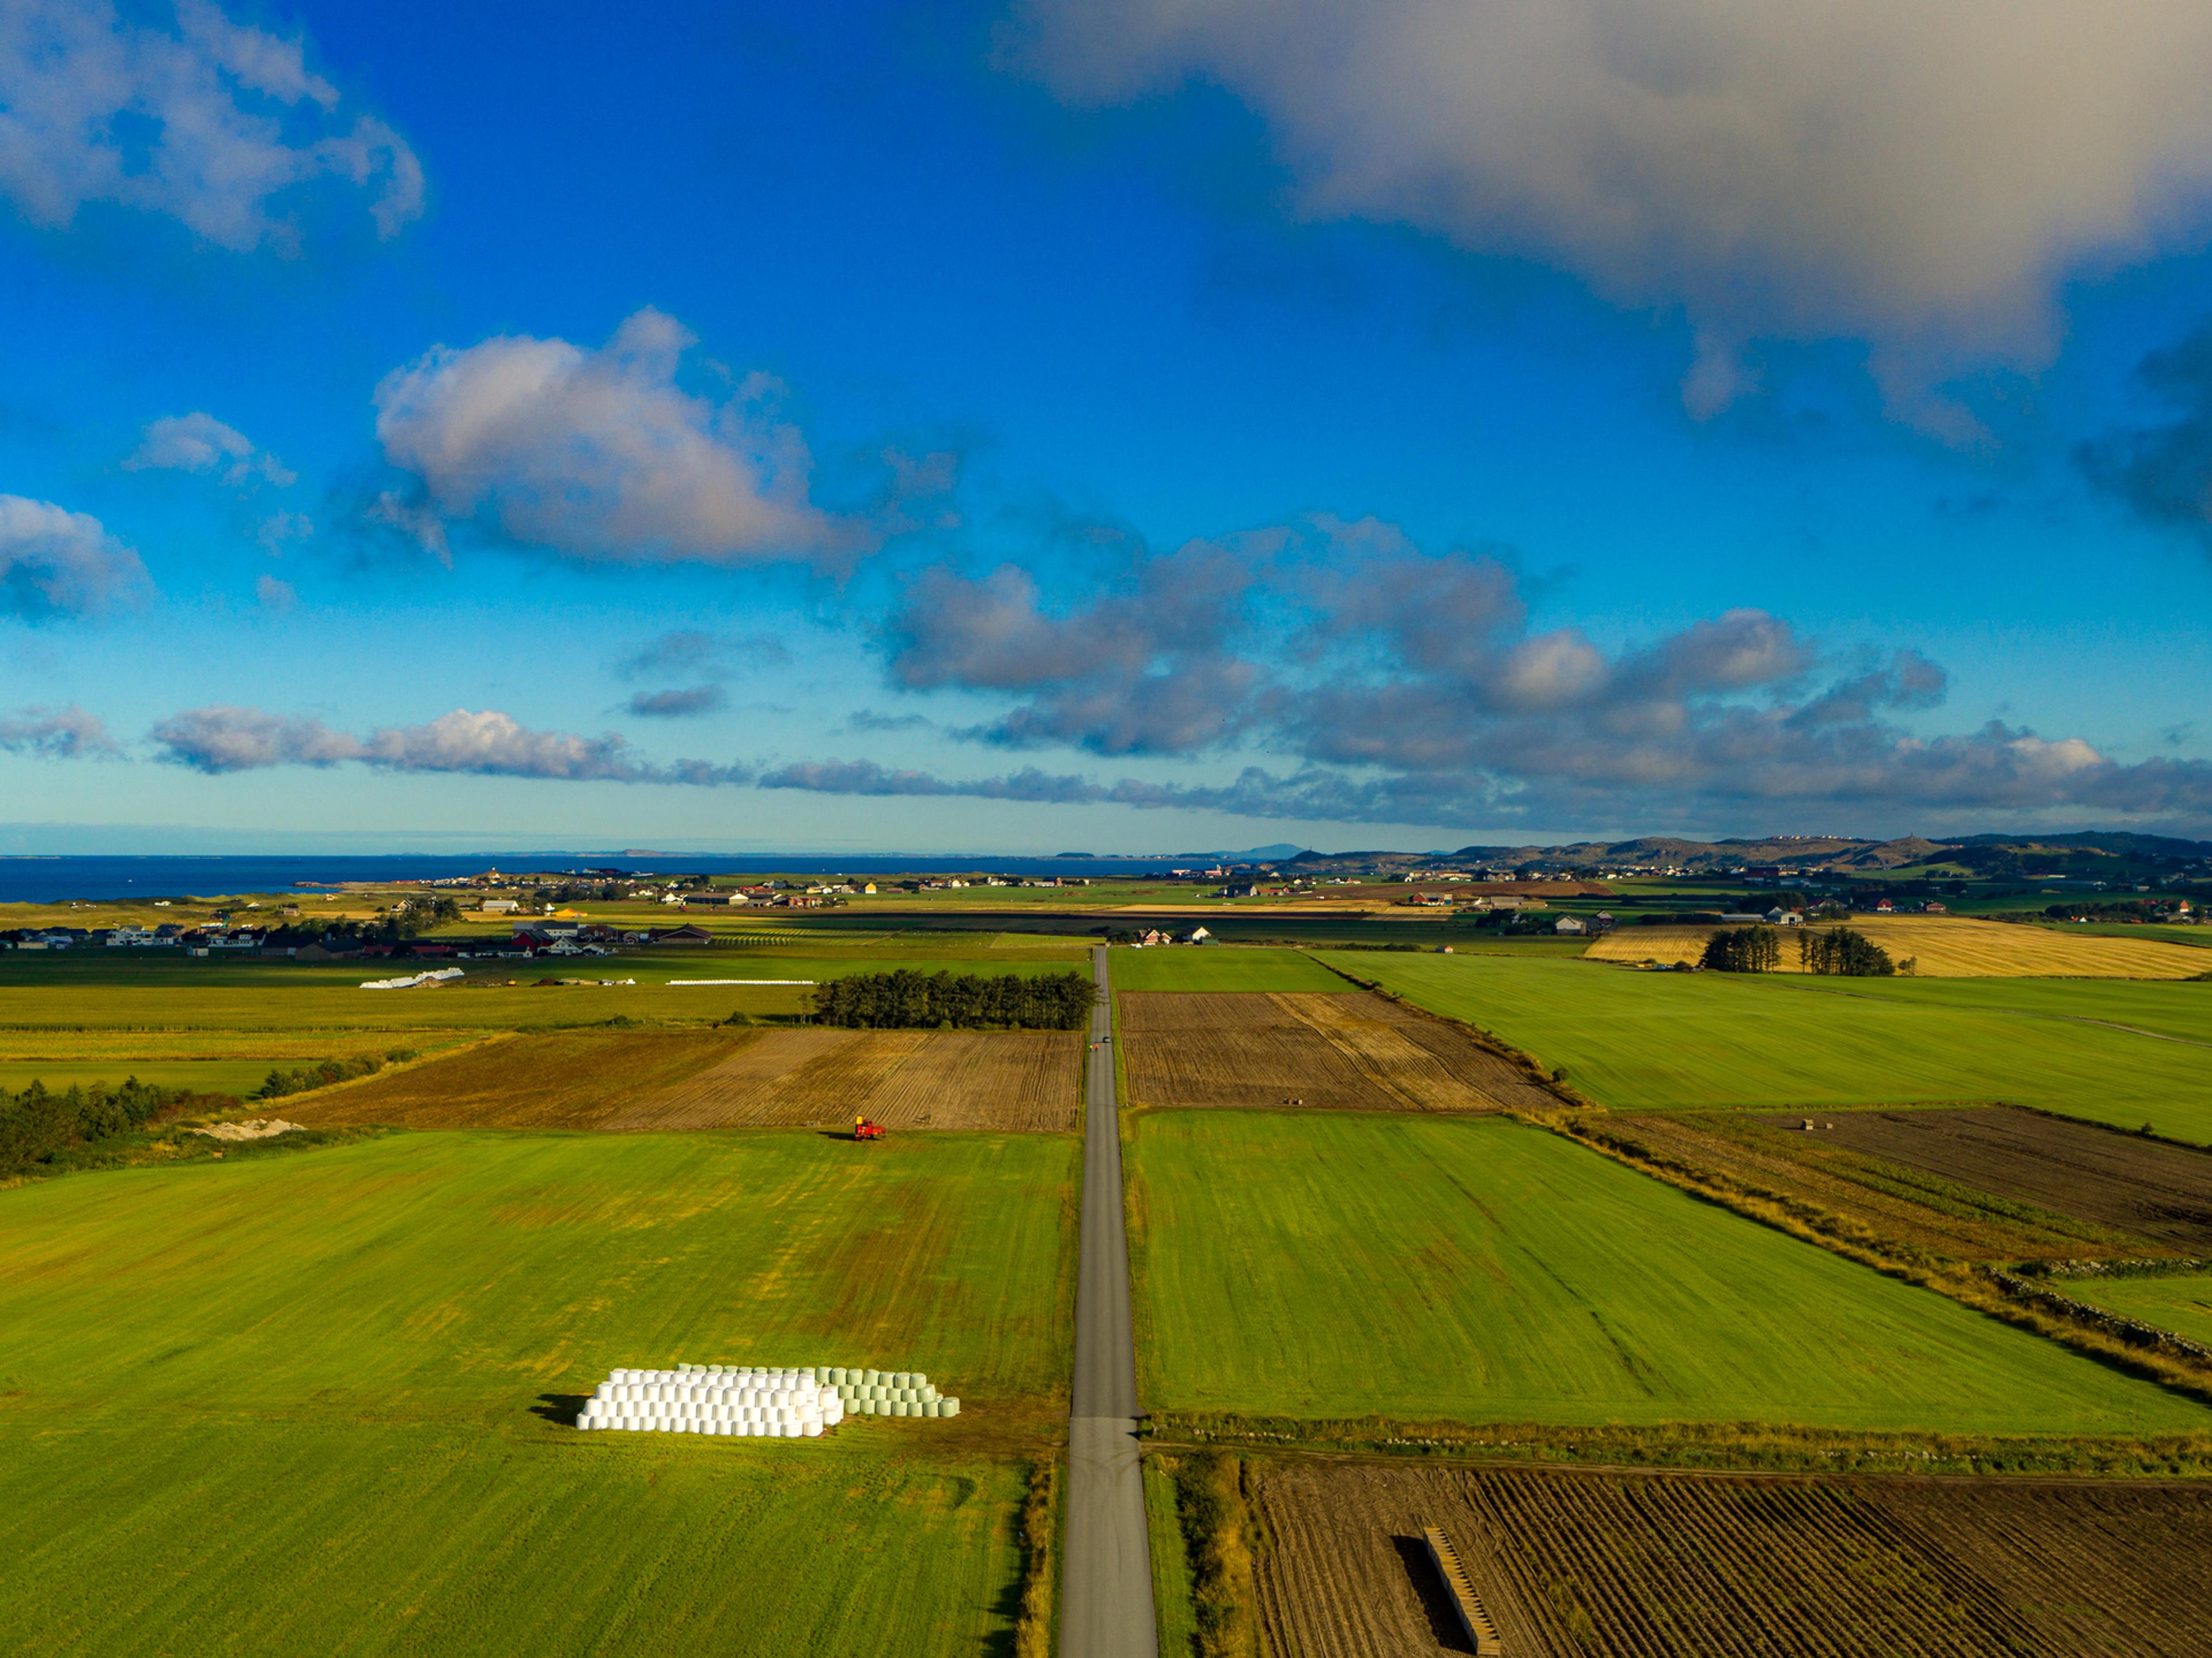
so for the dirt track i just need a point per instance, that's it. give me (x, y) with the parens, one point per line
(2158, 1192)
(1351, 1052)
(1571, 1564)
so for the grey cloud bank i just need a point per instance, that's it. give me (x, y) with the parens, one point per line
(1917, 176)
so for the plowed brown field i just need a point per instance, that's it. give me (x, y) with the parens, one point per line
(2157, 1192)
(568, 1079)
(1577, 1565)
(1353, 1052)
(1913, 1206)
(1010, 1079)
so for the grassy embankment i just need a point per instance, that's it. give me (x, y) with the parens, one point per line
(315, 1403)
(1323, 1267)
(1654, 1041)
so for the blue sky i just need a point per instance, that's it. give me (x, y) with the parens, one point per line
(1126, 427)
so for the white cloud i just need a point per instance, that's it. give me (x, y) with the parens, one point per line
(599, 454)
(198, 442)
(1918, 175)
(211, 126)
(56, 562)
(275, 595)
(56, 733)
(280, 527)
(223, 738)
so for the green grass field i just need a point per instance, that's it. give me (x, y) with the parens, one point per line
(2183, 1305)
(302, 1404)
(2181, 1010)
(1181, 967)
(1326, 1266)
(238, 1076)
(1669, 1040)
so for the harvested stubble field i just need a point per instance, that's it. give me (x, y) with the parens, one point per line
(2155, 1191)
(974, 1079)
(562, 1079)
(318, 1403)
(1349, 1051)
(1335, 1265)
(1943, 1210)
(1574, 1564)
(1947, 947)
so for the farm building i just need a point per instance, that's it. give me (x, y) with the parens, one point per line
(1571, 924)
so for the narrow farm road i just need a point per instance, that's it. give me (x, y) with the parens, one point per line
(1106, 1602)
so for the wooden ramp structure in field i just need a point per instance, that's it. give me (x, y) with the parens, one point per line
(1479, 1628)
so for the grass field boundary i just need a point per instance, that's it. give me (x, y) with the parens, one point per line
(1555, 1084)
(1720, 1449)
(1040, 1527)
(2168, 1367)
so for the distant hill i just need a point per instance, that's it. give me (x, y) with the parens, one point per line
(2104, 853)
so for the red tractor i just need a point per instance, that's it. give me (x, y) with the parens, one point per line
(863, 1129)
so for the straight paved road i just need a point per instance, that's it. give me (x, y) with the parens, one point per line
(1106, 1600)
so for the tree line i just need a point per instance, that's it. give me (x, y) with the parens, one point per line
(909, 1001)
(37, 1123)
(1832, 950)
(300, 1079)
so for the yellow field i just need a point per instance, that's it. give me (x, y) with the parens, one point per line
(1949, 947)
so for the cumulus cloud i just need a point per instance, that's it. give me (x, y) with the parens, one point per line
(2163, 470)
(1140, 671)
(1409, 688)
(1917, 176)
(217, 124)
(692, 651)
(67, 733)
(54, 562)
(198, 442)
(866, 777)
(222, 738)
(600, 454)
(679, 704)
(275, 595)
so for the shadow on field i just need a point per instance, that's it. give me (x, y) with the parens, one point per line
(1003, 1642)
(564, 1408)
(1436, 1599)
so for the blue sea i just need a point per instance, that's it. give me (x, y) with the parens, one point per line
(52, 880)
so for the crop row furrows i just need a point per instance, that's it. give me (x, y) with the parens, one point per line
(2116, 1581)
(1673, 1567)
(1557, 1547)
(1336, 1612)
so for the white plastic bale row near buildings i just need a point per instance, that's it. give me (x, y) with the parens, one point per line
(752, 1401)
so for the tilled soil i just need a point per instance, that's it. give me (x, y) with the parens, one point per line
(996, 1079)
(1575, 1563)
(1913, 1206)
(1351, 1051)
(2158, 1192)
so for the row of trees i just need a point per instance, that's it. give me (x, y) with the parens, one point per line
(303, 1077)
(1743, 950)
(1839, 950)
(1835, 950)
(920, 1001)
(37, 1123)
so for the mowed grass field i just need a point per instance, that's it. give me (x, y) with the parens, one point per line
(1324, 1266)
(2183, 1305)
(1661, 1041)
(1220, 967)
(1954, 946)
(307, 1404)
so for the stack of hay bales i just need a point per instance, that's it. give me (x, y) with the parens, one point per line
(891, 1393)
(740, 1402)
(756, 1402)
